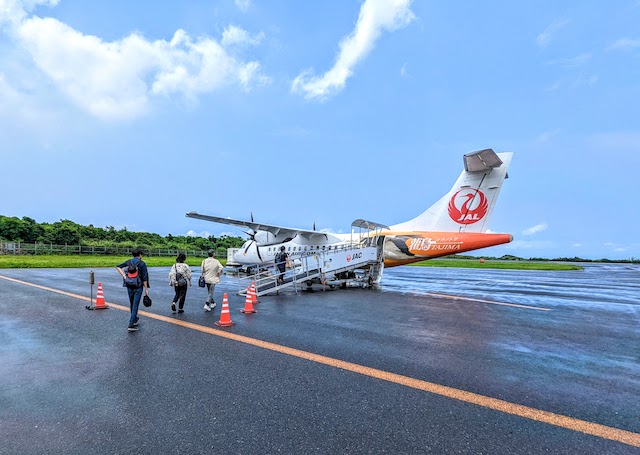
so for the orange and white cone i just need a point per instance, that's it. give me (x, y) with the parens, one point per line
(225, 316)
(248, 305)
(254, 293)
(100, 304)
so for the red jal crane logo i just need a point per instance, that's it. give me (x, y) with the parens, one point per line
(468, 206)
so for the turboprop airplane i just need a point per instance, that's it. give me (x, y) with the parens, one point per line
(457, 223)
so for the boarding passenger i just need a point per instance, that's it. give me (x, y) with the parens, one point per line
(281, 262)
(179, 278)
(212, 271)
(135, 278)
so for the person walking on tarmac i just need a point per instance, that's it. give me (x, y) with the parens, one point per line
(180, 279)
(212, 271)
(135, 278)
(281, 262)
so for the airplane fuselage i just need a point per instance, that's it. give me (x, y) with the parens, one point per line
(400, 248)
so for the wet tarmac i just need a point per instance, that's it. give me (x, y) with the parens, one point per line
(515, 363)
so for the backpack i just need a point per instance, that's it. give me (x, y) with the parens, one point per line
(132, 275)
(279, 257)
(180, 280)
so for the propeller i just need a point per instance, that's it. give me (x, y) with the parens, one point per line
(252, 236)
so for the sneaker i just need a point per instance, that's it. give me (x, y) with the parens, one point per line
(135, 324)
(173, 308)
(213, 305)
(206, 307)
(180, 311)
(132, 328)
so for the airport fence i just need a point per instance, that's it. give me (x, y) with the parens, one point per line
(20, 248)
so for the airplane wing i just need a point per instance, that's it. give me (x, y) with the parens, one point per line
(275, 230)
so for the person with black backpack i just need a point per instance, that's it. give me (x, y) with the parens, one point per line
(179, 278)
(281, 262)
(135, 277)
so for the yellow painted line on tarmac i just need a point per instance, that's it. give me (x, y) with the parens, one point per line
(582, 426)
(456, 297)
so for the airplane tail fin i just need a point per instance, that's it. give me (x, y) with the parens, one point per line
(468, 206)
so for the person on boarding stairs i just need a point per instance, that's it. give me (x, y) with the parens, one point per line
(135, 278)
(281, 262)
(212, 271)
(179, 278)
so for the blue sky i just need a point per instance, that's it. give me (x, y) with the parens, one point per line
(119, 113)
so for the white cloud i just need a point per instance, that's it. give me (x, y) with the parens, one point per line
(116, 80)
(556, 86)
(547, 136)
(375, 16)
(545, 38)
(572, 62)
(625, 44)
(25, 109)
(585, 80)
(243, 5)
(233, 35)
(535, 229)
(616, 247)
(14, 11)
(192, 233)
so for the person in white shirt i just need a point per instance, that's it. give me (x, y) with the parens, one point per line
(180, 279)
(212, 271)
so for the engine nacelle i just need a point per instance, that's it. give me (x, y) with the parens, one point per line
(267, 238)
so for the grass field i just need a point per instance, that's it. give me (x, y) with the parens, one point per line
(52, 262)
(56, 262)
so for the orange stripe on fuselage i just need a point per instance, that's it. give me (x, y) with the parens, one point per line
(429, 245)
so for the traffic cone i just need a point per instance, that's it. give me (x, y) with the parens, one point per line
(100, 305)
(248, 305)
(225, 317)
(254, 293)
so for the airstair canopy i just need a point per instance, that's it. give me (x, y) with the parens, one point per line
(369, 225)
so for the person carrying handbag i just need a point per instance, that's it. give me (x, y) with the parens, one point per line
(179, 278)
(212, 271)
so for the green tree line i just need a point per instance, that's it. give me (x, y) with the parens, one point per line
(66, 232)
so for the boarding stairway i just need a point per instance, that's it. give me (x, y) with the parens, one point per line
(352, 263)
(359, 263)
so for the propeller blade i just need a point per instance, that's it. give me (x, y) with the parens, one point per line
(257, 249)
(248, 246)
